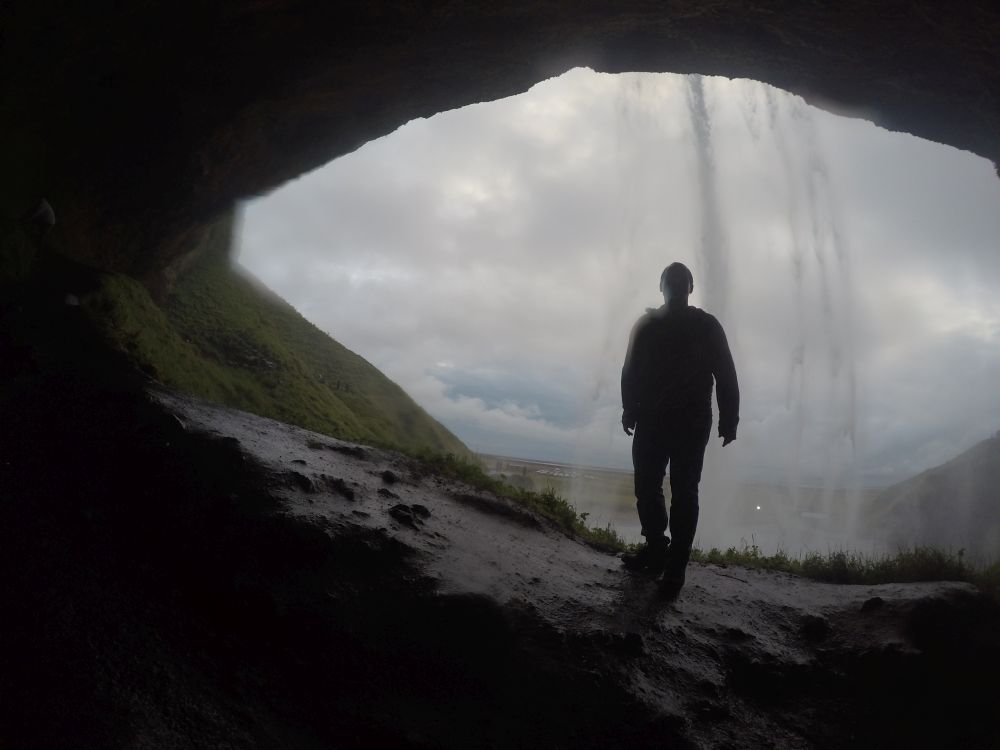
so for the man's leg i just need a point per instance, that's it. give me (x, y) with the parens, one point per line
(687, 456)
(649, 462)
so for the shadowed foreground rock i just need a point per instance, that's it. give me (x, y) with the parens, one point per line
(176, 574)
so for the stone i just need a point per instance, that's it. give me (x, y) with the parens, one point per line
(338, 486)
(301, 481)
(870, 605)
(302, 83)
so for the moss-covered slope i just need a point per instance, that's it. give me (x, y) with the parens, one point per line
(224, 336)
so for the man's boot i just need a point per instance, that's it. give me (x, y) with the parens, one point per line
(651, 557)
(674, 571)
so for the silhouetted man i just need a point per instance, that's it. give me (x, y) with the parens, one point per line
(674, 353)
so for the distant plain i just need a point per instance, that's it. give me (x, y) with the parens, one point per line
(772, 515)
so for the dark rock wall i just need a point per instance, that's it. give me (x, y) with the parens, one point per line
(141, 122)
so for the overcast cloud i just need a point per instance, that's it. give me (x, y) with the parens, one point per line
(492, 259)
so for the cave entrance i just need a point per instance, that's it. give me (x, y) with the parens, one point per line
(492, 260)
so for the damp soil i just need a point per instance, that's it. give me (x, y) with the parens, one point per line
(177, 574)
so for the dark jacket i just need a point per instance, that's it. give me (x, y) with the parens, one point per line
(671, 361)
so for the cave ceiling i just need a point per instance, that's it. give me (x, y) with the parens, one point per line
(143, 121)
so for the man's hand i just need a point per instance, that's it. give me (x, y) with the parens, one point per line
(727, 439)
(628, 423)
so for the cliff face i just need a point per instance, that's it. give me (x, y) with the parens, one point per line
(142, 124)
(177, 574)
(955, 505)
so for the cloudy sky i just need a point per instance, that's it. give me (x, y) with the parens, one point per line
(492, 259)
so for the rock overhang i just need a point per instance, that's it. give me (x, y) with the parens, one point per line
(143, 126)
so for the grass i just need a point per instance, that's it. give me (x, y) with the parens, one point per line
(904, 566)
(223, 336)
(546, 503)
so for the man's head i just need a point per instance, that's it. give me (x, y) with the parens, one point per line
(676, 283)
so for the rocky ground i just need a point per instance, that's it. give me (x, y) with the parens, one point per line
(177, 574)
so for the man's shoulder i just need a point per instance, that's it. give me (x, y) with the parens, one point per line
(651, 315)
(705, 317)
(693, 318)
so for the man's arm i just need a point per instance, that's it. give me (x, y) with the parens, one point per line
(630, 384)
(727, 389)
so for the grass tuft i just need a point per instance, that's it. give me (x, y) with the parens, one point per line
(905, 566)
(546, 503)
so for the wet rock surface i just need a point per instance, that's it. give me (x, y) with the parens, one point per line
(203, 594)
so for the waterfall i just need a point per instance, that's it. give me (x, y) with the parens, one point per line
(713, 261)
(681, 131)
(822, 373)
(821, 387)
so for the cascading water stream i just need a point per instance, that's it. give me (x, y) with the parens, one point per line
(713, 260)
(820, 265)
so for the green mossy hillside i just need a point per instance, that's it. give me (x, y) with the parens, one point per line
(224, 336)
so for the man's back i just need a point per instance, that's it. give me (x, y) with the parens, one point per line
(672, 360)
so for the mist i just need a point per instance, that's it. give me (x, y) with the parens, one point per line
(492, 260)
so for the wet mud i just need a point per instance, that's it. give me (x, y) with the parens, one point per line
(178, 574)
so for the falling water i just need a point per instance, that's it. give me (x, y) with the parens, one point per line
(822, 370)
(821, 375)
(812, 278)
(713, 261)
(636, 114)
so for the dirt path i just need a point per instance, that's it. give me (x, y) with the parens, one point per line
(742, 659)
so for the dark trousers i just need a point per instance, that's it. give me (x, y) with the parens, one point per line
(679, 441)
